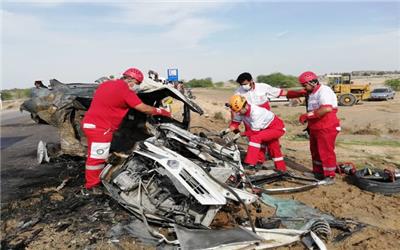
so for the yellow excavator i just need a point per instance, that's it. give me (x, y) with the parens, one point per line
(346, 91)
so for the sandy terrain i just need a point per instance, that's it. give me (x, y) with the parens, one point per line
(370, 137)
(12, 104)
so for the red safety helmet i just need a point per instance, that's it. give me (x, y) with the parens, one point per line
(307, 77)
(134, 73)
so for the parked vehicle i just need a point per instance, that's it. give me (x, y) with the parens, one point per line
(383, 93)
(346, 91)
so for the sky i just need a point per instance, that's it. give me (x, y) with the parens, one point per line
(80, 41)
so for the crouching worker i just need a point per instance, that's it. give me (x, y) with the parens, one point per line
(110, 103)
(264, 131)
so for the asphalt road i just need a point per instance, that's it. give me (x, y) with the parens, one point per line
(19, 139)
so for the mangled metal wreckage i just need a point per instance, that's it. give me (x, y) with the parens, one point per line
(169, 177)
(64, 105)
(187, 188)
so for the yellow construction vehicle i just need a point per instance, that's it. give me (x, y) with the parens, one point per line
(346, 91)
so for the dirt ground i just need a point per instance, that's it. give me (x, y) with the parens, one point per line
(12, 104)
(370, 137)
(57, 219)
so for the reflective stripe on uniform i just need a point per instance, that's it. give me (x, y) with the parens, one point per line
(338, 128)
(329, 168)
(277, 159)
(256, 145)
(284, 129)
(96, 167)
(89, 125)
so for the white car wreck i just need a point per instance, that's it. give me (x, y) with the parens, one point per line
(177, 177)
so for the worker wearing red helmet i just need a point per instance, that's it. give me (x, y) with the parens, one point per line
(265, 128)
(109, 105)
(322, 123)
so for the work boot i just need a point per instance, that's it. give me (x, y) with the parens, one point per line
(319, 176)
(92, 192)
(251, 169)
(329, 180)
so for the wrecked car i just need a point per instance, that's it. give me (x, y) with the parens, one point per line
(177, 177)
(163, 174)
(64, 105)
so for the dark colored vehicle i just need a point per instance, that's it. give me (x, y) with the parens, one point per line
(384, 93)
(64, 106)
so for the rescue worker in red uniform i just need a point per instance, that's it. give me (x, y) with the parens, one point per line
(110, 103)
(258, 94)
(265, 128)
(322, 124)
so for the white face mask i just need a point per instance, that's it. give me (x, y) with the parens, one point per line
(135, 87)
(246, 87)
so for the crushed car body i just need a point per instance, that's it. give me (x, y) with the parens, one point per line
(176, 187)
(64, 106)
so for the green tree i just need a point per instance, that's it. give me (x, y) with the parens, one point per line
(6, 95)
(10, 94)
(200, 83)
(393, 83)
(278, 80)
(219, 84)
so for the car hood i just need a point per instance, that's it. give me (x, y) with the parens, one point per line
(151, 90)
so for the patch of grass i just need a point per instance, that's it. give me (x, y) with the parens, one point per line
(219, 116)
(298, 137)
(371, 143)
(292, 119)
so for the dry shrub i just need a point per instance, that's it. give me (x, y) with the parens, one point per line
(219, 116)
(394, 131)
(368, 130)
(346, 130)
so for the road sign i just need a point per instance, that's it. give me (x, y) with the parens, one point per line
(172, 75)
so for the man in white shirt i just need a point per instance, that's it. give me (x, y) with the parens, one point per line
(322, 123)
(257, 93)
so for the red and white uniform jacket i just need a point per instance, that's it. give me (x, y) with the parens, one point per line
(323, 96)
(256, 118)
(110, 103)
(260, 94)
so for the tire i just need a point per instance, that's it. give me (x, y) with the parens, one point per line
(375, 186)
(347, 100)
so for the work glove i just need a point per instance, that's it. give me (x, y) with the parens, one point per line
(233, 139)
(161, 112)
(224, 132)
(303, 118)
(308, 116)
